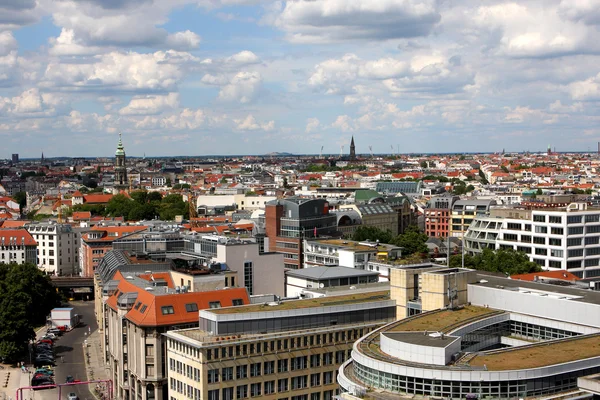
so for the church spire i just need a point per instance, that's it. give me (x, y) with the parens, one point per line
(352, 149)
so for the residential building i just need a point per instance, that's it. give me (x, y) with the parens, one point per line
(297, 282)
(480, 337)
(17, 246)
(98, 241)
(463, 213)
(159, 181)
(289, 221)
(57, 251)
(556, 238)
(137, 316)
(437, 215)
(346, 253)
(286, 349)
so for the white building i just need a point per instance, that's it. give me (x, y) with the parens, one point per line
(57, 251)
(301, 280)
(565, 238)
(17, 246)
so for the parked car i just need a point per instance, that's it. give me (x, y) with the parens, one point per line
(44, 371)
(48, 341)
(41, 381)
(72, 396)
(55, 331)
(50, 335)
(43, 361)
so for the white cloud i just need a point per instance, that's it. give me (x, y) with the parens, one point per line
(150, 105)
(587, 11)
(312, 124)
(344, 123)
(32, 104)
(250, 124)
(242, 58)
(214, 80)
(183, 40)
(242, 88)
(321, 21)
(7, 43)
(119, 71)
(588, 89)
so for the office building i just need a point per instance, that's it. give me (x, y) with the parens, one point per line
(290, 349)
(480, 337)
(15, 158)
(464, 212)
(58, 252)
(289, 221)
(299, 282)
(437, 215)
(555, 238)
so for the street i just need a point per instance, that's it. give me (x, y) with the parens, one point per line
(70, 358)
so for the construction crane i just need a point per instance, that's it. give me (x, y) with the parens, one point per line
(321, 153)
(392, 147)
(341, 151)
(371, 150)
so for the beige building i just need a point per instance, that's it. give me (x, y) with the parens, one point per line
(291, 349)
(427, 287)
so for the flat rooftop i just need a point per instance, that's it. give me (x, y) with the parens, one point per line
(352, 245)
(442, 320)
(539, 355)
(307, 303)
(421, 339)
(325, 273)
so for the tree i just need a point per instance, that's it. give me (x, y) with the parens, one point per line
(483, 178)
(372, 234)
(506, 261)
(539, 192)
(171, 206)
(412, 241)
(154, 196)
(21, 198)
(169, 182)
(424, 164)
(504, 169)
(285, 183)
(119, 206)
(26, 298)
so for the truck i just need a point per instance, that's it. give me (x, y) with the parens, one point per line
(64, 318)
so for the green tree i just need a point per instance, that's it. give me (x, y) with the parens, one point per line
(139, 196)
(483, 178)
(539, 192)
(154, 196)
(371, 233)
(504, 169)
(506, 261)
(20, 198)
(26, 298)
(171, 206)
(412, 241)
(424, 164)
(119, 206)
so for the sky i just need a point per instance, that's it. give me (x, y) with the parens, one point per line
(243, 77)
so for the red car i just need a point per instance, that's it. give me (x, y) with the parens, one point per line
(45, 341)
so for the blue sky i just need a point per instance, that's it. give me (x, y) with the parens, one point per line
(202, 77)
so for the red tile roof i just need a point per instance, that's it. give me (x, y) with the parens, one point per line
(13, 224)
(561, 275)
(81, 215)
(97, 198)
(153, 316)
(17, 234)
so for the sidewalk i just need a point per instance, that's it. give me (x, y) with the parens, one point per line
(94, 364)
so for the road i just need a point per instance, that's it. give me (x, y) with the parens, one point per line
(70, 347)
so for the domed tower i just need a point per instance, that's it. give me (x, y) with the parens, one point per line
(120, 167)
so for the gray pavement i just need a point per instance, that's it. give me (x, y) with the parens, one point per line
(71, 360)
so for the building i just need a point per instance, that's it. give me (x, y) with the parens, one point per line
(57, 250)
(408, 188)
(297, 282)
(378, 215)
(556, 238)
(281, 350)
(289, 221)
(99, 241)
(346, 253)
(17, 246)
(437, 215)
(15, 158)
(464, 212)
(121, 181)
(352, 150)
(493, 338)
(137, 314)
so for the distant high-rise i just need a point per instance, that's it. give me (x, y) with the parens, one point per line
(15, 158)
(352, 149)
(120, 167)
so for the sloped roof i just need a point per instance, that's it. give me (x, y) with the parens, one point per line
(562, 275)
(20, 235)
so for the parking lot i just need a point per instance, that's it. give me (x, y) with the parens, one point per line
(69, 360)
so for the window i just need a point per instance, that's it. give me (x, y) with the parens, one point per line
(328, 357)
(573, 242)
(539, 218)
(255, 369)
(592, 218)
(269, 387)
(327, 378)
(511, 237)
(594, 251)
(241, 372)
(269, 368)
(592, 240)
(191, 307)
(315, 360)
(143, 309)
(525, 239)
(166, 310)
(553, 219)
(555, 264)
(248, 276)
(576, 253)
(238, 302)
(315, 380)
(593, 229)
(574, 219)
(282, 385)
(576, 230)
(299, 382)
(227, 373)
(557, 231)
(137, 305)
(541, 252)
(573, 264)
(556, 253)
(214, 304)
(524, 249)
(213, 375)
(282, 365)
(591, 262)
(227, 393)
(242, 391)
(539, 240)
(213, 394)
(541, 229)
(255, 389)
(555, 242)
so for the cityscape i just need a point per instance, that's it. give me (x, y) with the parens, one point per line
(299, 200)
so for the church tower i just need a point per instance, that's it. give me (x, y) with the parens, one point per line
(352, 149)
(120, 167)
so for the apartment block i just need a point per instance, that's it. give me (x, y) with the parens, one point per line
(57, 251)
(17, 246)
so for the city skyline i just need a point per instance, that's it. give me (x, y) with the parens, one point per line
(243, 77)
